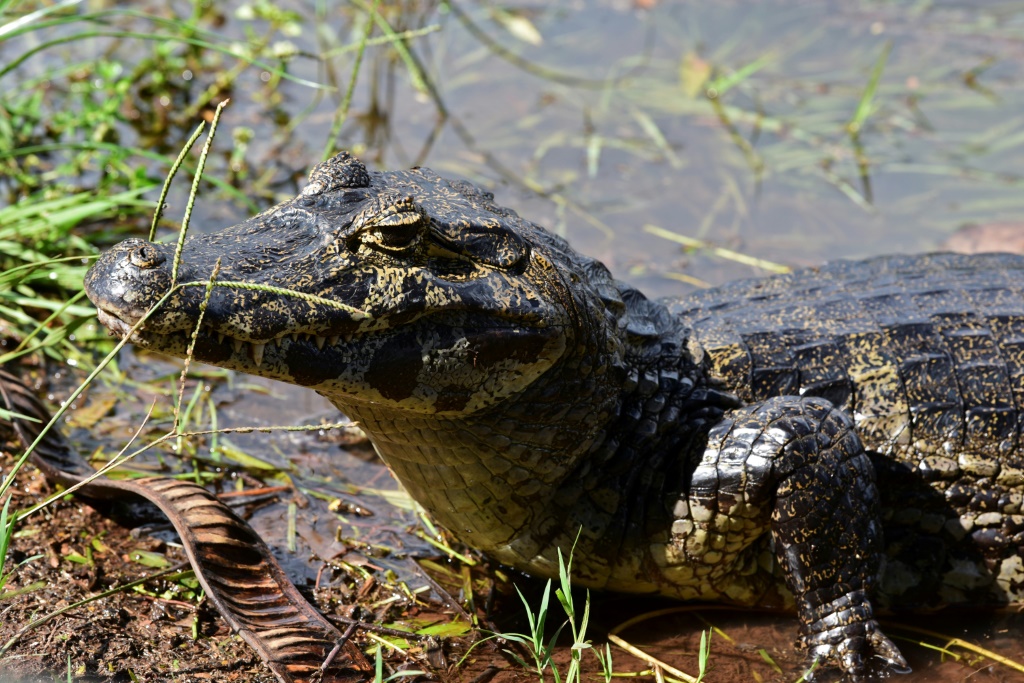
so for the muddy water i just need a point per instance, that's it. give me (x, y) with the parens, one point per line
(754, 647)
(594, 119)
(604, 128)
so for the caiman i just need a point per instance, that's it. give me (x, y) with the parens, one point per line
(830, 441)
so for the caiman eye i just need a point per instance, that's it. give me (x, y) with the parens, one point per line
(396, 228)
(397, 236)
(145, 256)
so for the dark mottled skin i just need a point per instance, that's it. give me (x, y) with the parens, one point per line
(711, 447)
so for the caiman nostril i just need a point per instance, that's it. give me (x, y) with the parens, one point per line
(146, 256)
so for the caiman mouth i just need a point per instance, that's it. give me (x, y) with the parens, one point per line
(212, 343)
(113, 323)
(208, 333)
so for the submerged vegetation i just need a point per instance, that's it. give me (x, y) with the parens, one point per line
(701, 144)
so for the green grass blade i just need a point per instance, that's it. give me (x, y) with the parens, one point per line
(276, 71)
(195, 191)
(6, 531)
(723, 84)
(341, 114)
(866, 105)
(31, 17)
(416, 75)
(170, 176)
(529, 612)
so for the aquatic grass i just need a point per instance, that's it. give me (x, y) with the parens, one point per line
(657, 136)
(703, 655)
(721, 252)
(93, 146)
(29, 127)
(815, 137)
(156, 38)
(536, 643)
(544, 72)
(577, 630)
(445, 548)
(341, 113)
(866, 106)
(374, 41)
(20, 462)
(44, 221)
(417, 75)
(720, 85)
(15, 25)
(809, 673)
(395, 39)
(124, 456)
(59, 335)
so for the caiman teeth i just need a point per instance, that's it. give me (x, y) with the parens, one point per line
(256, 352)
(256, 349)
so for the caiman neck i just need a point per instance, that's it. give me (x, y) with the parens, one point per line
(609, 424)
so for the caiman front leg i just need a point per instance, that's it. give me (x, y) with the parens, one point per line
(796, 468)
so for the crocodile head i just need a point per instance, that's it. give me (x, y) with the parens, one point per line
(397, 288)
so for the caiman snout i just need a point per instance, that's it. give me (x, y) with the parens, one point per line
(127, 280)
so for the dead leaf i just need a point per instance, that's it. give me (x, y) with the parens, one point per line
(88, 416)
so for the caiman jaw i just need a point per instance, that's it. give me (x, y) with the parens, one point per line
(135, 275)
(115, 325)
(240, 348)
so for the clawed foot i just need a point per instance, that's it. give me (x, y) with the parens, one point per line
(853, 652)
